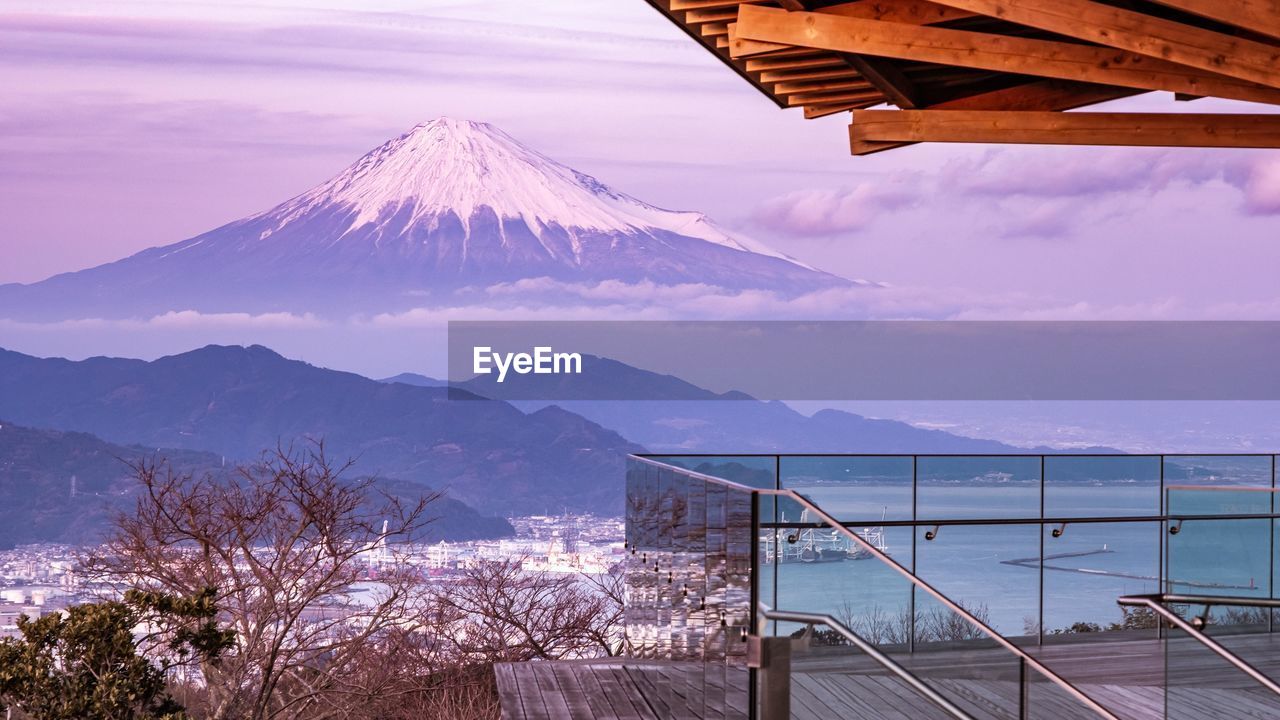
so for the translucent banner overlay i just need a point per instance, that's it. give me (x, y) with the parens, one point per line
(864, 360)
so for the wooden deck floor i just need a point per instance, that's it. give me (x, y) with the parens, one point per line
(1126, 677)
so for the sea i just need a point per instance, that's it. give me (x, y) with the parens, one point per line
(995, 570)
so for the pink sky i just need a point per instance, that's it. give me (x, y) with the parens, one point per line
(130, 124)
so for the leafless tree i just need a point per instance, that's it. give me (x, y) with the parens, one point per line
(606, 627)
(284, 543)
(877, 625)
(500, 612)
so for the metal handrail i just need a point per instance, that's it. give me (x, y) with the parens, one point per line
(946, 601)
(873, 652)
(1153, 602)
(1210, 600)
(911, 577)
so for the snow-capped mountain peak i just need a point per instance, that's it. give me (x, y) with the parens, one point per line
(451, 210)
(460, 166)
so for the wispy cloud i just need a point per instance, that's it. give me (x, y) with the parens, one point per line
(824, 212)
(179, 320)
(1262, 188)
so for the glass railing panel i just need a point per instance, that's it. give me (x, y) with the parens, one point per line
(854, 489)
(819, 569)
(1218, 470)
(978, 487)
(1201, 684)
(941, 646)
(734, 624)
(1221, 555)
(758, 471)
(991, 570)
(1086, 567)
(1101, 486)
(1197, 500)
(832, 678)
(689, 579)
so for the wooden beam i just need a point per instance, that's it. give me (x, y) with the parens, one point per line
(743, 48)
(883, 74)
(870, 95)
(1053, 128)
(1140, 33)
(986, 51)
(1041, 96)
(711, 15)
(888, 79)
(679, 5)
(816, 111)
(821, 86)
(777, 76)
(912, 12)
(1260, 16)
(817, 61)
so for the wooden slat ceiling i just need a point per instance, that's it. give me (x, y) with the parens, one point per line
(1003, 70)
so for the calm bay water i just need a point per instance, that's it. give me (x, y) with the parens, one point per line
(971, 564)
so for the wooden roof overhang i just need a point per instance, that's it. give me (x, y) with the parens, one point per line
(1003, 71)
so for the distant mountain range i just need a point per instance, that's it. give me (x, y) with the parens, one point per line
(498, 457)
(63, 487)
(443, 211)
(238, 401)
(678, 416)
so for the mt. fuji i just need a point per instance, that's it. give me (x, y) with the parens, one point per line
(449, 207)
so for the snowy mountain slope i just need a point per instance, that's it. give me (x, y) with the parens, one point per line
(449, 206)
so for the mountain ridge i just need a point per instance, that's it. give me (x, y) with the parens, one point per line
(64, 486)
(239, 401)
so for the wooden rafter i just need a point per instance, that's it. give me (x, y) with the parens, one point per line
(1042, 96)
(1259, 16)
(1003, 70)
(987, 51)
(912, 12)
(1140, 33)
(1054, 128)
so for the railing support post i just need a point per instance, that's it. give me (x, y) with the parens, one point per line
(771, 657)
(1024, 703)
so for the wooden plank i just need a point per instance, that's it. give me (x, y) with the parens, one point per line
(509, 699)
(1140, 33)
(568, 679)
(679, 5)
(1050, 128)
(623, 695)
(1260, 16)
(549, 688)
(714, 29)
(852, 83)
(1043, 95)
(812, 112)
(881, 73)
(817, 61)
(777, 76)
(836, 98)
(602, 704)
(912, 12)
(728, 14)
(986, 51)
(743, 48)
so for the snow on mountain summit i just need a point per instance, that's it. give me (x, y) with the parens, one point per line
(451, 211)
(460, 166)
